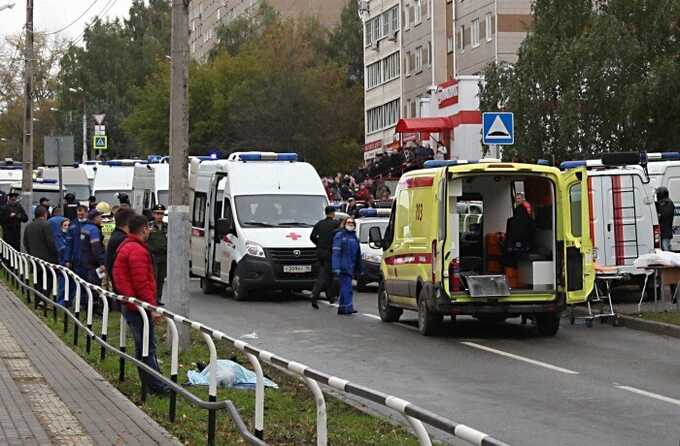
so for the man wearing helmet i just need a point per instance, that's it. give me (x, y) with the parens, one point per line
(108, 224)
(665, 210)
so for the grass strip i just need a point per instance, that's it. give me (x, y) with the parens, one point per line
(668, 317)
(290, 412)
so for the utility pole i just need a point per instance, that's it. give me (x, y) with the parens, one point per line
(178, 210)
(27, 172)
(84, 133)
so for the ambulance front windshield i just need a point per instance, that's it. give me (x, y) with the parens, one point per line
(279, 210)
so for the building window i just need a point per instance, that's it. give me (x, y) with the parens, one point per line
(487, 23)
(419, 10)
(404, 17)
(411, 15)
(386, 22)
(376, 28)
(383, 116)
(428, 60)
(424, 11)
(460, 43)
(391, 67)
(395, 19)
(419, 59)
(407, 63)
(373, 75)
(412, 106)
(369, 33)
(475, 33)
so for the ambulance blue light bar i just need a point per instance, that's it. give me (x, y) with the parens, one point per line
(45, 181)
(431, 164)
(290, 157)
(211, 157)
(373, 212)
(566, 165)
(663, 156)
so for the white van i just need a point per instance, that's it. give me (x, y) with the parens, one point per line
(251, 222)
(75, 180)
(664, 170)
(111, 179)
(161, 183)
(623, 219)
(143, 196)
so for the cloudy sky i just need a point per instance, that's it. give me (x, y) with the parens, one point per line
(53, 15)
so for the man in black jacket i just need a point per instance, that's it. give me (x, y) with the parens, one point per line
(39, 242)
(666, 211)
(11, 217)
(122, 218)
(322, 237)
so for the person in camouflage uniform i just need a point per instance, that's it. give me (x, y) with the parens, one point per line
(158, 245)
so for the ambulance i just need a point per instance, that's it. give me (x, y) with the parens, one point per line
(664, 170)
(252, 217)
(143, 183)
(434, 265)
(75, 180)
(112, 178)
(623, 220)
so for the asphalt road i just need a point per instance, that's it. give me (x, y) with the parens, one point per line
(586, 386)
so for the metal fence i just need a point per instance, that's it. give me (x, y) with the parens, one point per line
(28, 272)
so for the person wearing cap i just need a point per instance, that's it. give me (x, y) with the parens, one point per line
(322, 237)
(92, 202)
(45, 202)
(665, 209)
(11, 217)
(346, 262)
(92, 254)
(158, 246)
(70, 207)
(123, 199)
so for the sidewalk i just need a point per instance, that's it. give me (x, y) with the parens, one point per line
(50, 396)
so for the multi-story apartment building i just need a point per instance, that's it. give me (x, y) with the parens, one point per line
(489, 31)
(205, 17)
(438, 41)
(382, 77)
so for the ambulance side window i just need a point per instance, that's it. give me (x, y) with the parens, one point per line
(403, 230)
(198, 216)
(575, 209)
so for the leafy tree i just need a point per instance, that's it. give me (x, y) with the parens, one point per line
(345, 44)
(592, 77)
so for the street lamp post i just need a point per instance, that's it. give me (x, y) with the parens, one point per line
(27, 172)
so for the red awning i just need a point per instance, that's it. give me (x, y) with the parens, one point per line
(432, 125)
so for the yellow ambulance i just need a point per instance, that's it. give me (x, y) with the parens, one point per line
(486, 238)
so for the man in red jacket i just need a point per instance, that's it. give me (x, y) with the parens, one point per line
(134, 277)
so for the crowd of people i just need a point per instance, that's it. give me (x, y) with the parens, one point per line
(367, 186)
(113, 247)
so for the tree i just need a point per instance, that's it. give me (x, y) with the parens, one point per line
(346, 43)
(591, 77)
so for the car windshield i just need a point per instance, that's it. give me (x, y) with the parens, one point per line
(366, 227)
(279, 210)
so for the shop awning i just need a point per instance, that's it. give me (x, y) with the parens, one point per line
(431, 125)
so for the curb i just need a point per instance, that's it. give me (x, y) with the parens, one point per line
(659, 328)
(636, 323)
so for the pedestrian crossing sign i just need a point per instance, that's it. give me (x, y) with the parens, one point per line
(498, 128)
(100, 143)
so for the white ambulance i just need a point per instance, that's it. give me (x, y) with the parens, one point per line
(252, 218)
(623, 220)
(664, 170)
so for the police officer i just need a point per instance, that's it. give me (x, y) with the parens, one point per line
(158, 246)
(322, 236)
(11, 217)
(92, 254)
(70, 207)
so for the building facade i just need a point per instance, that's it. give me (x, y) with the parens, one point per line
(206, 16)
(439, 43)
(382, 76)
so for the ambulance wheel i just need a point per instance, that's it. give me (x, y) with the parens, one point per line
(238, 289)
(387, 312)
(429, 322)
(208, 286)
(547, 324)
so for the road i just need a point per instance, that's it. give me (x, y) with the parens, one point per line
(599, 386)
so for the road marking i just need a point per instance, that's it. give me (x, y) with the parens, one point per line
(520, 358)
(372, 316)
(656, 396)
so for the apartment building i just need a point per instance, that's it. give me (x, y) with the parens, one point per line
(488, 31)
(382, 77)
(205, 17)
(440, 42)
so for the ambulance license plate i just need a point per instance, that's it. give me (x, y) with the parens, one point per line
(297, 269)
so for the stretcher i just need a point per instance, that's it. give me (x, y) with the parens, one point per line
(601, 297)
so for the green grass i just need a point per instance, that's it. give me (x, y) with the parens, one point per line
(290, 413)
(670, 317)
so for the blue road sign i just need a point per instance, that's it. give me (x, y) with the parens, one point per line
(498, 128)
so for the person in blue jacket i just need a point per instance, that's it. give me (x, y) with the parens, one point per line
(74, 231)
(346, 262)
(92, 253)
(64, 243)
